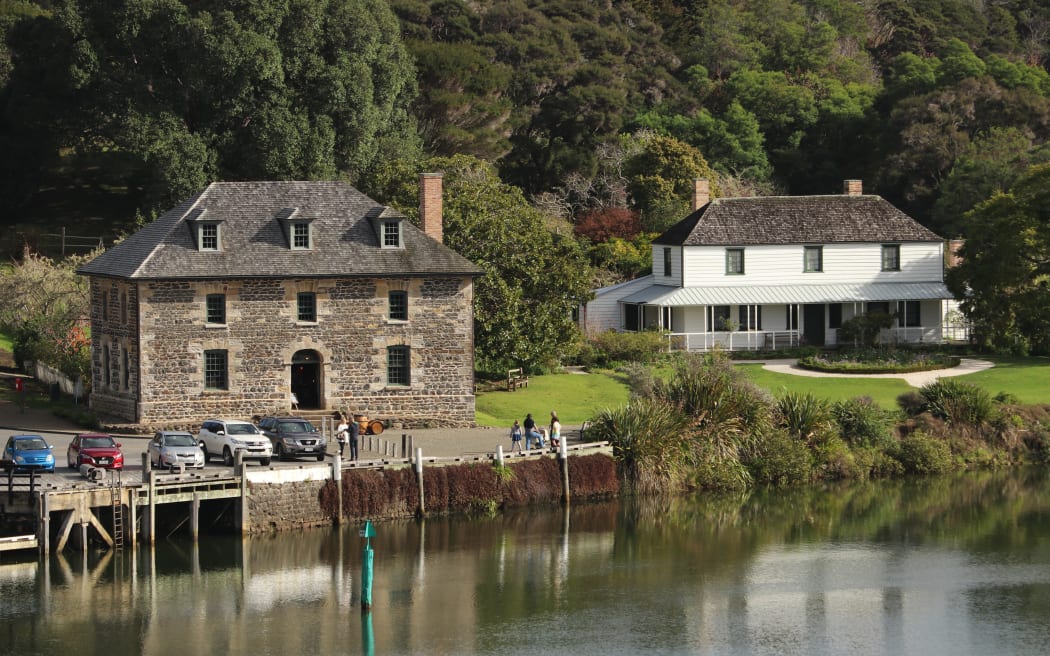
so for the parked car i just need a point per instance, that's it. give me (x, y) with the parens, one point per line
(95, 449)
(225, 437)
(29, 452)
(293, 437)
(169, 448)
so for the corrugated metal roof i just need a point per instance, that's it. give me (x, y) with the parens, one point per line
(784, 294)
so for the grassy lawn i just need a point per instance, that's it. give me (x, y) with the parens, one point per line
(575, 397)
(883, 391)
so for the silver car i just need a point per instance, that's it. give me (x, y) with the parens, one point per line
(172, 448)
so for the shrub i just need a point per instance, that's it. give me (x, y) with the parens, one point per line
(715, 470)
(957, 402)
(864, 329)
(781, 460)
(862, 423)
(834, 461)
(612, 346)
(805, 416)
(919, 453)
(912, 403)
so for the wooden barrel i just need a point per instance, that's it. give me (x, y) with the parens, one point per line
(375, 427)
(362, 424)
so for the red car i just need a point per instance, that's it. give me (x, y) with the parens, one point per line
(95, 449)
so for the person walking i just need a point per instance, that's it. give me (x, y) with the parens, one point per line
(530, 430)
(515, 437)
(342, 433)
(555, 429)
(355, 430)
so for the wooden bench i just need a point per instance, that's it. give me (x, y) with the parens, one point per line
(515, 379)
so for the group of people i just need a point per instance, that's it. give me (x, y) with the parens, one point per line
(346, 433)
(531, 433)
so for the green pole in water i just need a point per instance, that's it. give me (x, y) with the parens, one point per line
(368, 532)
(368, 641)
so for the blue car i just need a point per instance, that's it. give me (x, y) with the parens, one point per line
(26, 452)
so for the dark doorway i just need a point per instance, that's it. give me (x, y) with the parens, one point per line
(813, 324)
(306, 379)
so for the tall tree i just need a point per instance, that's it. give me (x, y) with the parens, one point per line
(535, 277)
(275, 89)
(1003, 280)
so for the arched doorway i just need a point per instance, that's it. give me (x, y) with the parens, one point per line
(306, 378)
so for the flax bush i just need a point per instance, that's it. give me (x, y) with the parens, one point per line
(862, 423)
(957, 402)
(805, 416)
(920, 453)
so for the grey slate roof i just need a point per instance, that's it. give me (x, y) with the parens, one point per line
(795, 220)
(254, 244)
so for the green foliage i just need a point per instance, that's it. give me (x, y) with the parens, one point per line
(862, 423)
(1003, 278)
(781, 460)
(612, 346)
(534, 278)
(46, 303)
(194, 91)
(660, 179)
(805, 416)
(958, 402)
(879, 361)
(648, 438)
(865, 329)
(920, 453)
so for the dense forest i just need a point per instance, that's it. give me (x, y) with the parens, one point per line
(590, 118)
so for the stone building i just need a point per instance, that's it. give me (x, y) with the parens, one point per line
(251, 292)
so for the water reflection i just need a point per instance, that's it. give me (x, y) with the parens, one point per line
(950, 565)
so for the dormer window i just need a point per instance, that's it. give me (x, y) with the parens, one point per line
(391, 234)
(297, 229)
(300, 236)
(208, 236)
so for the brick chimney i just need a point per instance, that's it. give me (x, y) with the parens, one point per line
(430, 204)
(701, 193)
(952, 255)
(853, 187)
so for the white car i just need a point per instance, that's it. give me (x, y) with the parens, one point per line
(225, 437)
(171, 448)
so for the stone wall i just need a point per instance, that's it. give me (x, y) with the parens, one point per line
(157, 335)
(285, 506)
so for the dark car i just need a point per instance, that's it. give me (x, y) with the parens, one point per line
(95, 449)
(293, 437)
(29, 452)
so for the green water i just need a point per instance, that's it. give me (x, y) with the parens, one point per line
(947, 566)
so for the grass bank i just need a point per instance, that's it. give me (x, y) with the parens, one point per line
(575, 397)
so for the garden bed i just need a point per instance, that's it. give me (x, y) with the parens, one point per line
(878, 362)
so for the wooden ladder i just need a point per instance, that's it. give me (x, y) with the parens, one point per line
(116, 489)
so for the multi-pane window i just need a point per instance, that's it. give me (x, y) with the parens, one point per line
(750, 317)
(667, 262)
(718, 317)
(814, 259)
(215, 308)
(908, 314)
(397, 365)
(734, 261)
(891, 257)
(307, 306)
(215, 370)
(398, 305)
(209, 236)
(301, 236)
(391, 234)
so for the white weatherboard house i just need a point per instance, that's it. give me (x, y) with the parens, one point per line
(750, 273)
